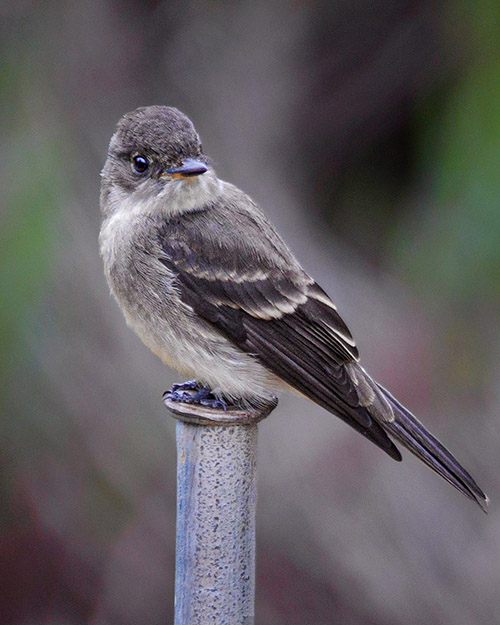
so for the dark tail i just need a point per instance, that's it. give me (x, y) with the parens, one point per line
(408, 430)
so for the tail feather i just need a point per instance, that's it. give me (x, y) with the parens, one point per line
(408, 430)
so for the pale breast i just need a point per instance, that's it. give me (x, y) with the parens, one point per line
(147, 294)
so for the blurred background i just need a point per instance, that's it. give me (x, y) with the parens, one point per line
(369, 130)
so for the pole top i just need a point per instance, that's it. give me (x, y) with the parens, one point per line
(197, 414)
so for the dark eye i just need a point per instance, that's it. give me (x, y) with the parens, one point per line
(140, 164)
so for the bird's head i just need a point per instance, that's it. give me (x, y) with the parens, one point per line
(155, 159)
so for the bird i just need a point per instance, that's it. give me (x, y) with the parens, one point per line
(207, 283)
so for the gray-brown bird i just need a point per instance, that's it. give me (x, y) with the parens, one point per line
(210, 287)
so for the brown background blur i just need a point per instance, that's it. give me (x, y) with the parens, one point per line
(369, 130)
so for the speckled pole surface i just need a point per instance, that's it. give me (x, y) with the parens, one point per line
(216, 499)
(216, 502)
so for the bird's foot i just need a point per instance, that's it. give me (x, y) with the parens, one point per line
(189, 385)
(191, 392)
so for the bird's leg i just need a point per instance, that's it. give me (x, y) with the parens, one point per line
(202, 395)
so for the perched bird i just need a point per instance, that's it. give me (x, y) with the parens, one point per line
(210, 287)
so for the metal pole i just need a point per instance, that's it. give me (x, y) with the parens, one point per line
(216, 500)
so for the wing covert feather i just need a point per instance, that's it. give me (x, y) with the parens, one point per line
(269, 307)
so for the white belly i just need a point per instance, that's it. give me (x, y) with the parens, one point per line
(207, 357)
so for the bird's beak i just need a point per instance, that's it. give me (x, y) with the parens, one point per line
(190, 167)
